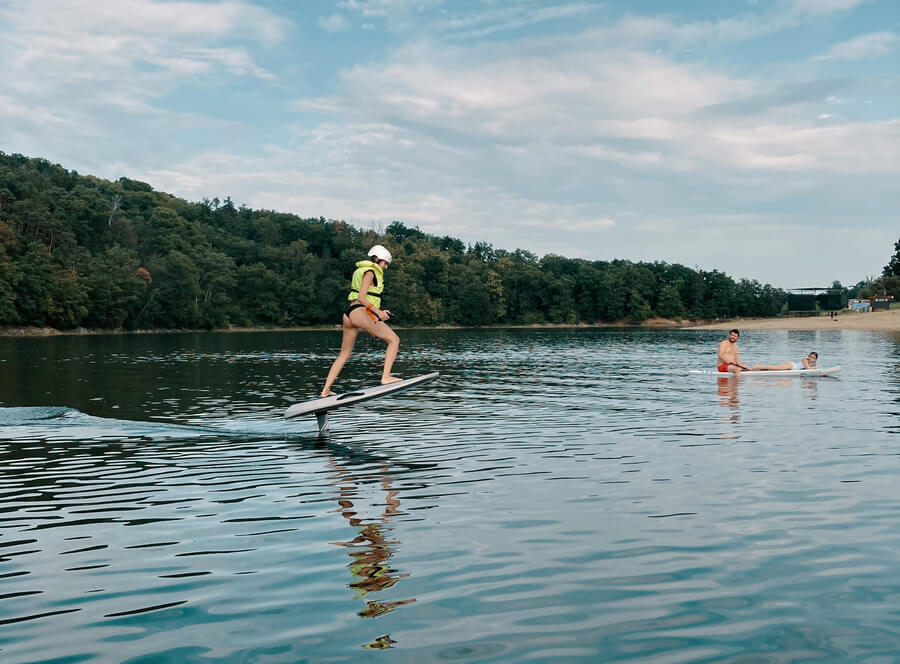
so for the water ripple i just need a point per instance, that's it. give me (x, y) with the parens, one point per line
(564, 495)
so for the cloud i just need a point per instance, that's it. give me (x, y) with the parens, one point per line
(551, 138)
(460, 22)
(619, 140)
(333, 23)
(61, 40)
(821, 7)
(505, 18)
(865, 47)
(567, 225)
(837, 149)
(397, 15)
(93, 84)
(387, 8)
(143, 17)
(94, 64)
(644, 31)
(787, 97)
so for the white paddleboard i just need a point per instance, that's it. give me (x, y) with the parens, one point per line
(823, 371)
(318, 406)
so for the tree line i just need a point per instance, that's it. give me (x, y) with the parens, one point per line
(889, 281)
(80, 251)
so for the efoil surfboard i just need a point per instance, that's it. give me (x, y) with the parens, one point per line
(823, 371)
(323, 405)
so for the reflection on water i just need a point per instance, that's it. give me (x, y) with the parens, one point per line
(810, 387)
(557, 496)
(371, 549)
(728, 391)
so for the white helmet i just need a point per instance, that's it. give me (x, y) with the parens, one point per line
(380, 253)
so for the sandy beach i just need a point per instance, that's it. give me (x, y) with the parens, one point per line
(882, 321)
(885, 321)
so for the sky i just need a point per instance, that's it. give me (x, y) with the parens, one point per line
(760, 138)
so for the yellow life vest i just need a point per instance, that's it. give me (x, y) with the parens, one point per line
(373, 295)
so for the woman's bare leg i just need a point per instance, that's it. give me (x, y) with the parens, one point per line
(349, 331)
(382, 331)
(772, 367)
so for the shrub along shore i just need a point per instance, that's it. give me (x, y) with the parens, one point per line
(878, 321)
(79, 251)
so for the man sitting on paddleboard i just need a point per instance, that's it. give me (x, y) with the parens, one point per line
(729, 360)
(808, 362)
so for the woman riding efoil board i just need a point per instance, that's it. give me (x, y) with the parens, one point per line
(364, 313)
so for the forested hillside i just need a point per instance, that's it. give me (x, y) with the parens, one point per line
(77, 250)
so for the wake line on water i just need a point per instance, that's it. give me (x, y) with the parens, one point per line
(60, 423)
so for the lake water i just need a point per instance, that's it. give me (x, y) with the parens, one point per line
(556, 496)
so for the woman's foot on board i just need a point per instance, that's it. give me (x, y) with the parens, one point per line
(390, 379)
(327, 393)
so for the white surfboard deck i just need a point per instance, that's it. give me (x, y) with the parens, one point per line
(323, 405)
(822, 371)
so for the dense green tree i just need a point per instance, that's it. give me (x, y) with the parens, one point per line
(408, 298)
(881, 286)
(79, 250)
(47, 293)
(259, 292)
(615, 294)
(162, 232)
(520, 278)
(10, 275)
(67, 306)
(33, 295)
(176, 282)
(115, 290)
(670, 305)
(892, 269)
(638, 307)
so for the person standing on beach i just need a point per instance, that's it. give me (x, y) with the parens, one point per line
(364, 313)
(728, 359)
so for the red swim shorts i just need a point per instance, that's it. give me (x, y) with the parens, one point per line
(723, 368)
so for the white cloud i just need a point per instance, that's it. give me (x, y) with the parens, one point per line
(13, 108)
(92, 83)
(568, 225)
(847, 148)
(596, 143)
(548, 147)
(61, 40)
(142, 17)
(491, 20)
(637, 30)
(822, 7)
(865, 47)
(333, 23)
(387, 8)
(99, 68)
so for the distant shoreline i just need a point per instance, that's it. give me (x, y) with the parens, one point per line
(13, 331)
(878, 321)
(875, 321)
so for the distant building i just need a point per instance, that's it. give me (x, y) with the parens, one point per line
(877, 303)
(812, 300)
(881, 302)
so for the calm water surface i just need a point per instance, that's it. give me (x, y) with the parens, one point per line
(556, 496)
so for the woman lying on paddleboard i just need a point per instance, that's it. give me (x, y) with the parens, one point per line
(808, 362)
(364, 313)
